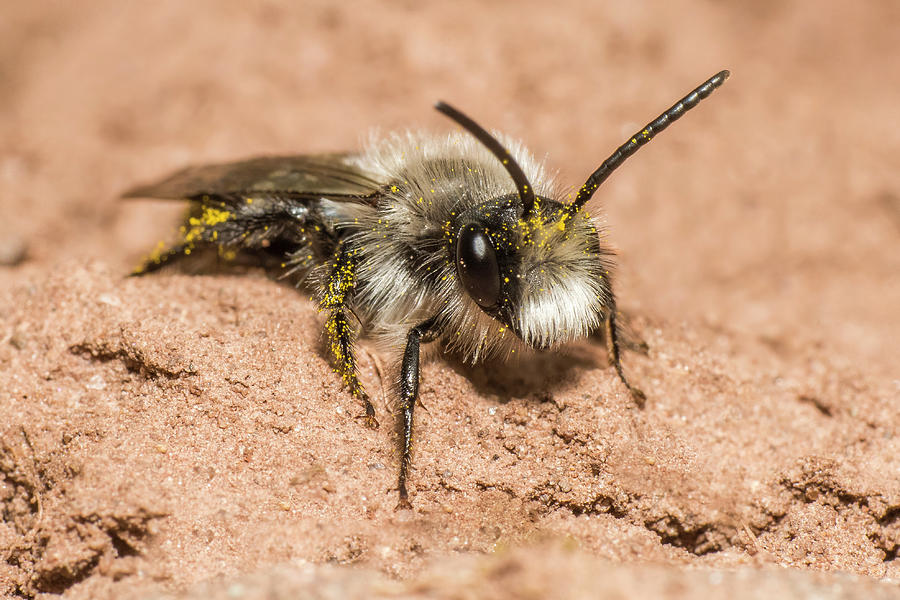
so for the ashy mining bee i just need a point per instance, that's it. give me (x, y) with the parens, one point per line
(459, 238)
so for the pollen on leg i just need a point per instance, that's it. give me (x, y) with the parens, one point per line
(340, 334)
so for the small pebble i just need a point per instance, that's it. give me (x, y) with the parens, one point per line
(12, 250)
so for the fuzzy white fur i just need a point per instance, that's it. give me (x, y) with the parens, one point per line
(427, 180)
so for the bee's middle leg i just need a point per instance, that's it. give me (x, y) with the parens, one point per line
(341, 345)
(340, 285)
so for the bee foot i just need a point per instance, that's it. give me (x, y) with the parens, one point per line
(369, 421)
(639, 397)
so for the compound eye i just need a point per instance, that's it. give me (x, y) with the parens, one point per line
(476, 264)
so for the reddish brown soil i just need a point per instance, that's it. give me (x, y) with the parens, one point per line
(161, 432)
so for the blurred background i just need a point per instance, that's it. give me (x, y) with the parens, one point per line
(772, 210)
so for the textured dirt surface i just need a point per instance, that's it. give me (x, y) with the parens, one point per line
(173, 431)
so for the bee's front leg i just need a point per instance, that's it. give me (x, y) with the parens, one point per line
(612, 347)
(338, 289)
(409, 392)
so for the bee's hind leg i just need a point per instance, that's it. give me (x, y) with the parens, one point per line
(159, 258)
(340, 284)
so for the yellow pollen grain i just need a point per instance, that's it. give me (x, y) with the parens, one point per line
(156, 255)
(214, 216)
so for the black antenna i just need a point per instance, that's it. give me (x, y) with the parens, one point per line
(526, 193)
(642, 137)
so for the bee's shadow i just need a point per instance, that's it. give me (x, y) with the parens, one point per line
(534, 375)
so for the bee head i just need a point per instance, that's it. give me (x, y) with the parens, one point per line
(547, 284)
(530, 262)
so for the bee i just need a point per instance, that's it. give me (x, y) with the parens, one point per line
(461, 239)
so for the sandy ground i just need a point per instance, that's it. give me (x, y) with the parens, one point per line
(173, 431)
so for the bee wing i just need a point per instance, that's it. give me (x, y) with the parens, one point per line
(331, 175)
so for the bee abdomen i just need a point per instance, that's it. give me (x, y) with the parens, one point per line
(267, 228)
